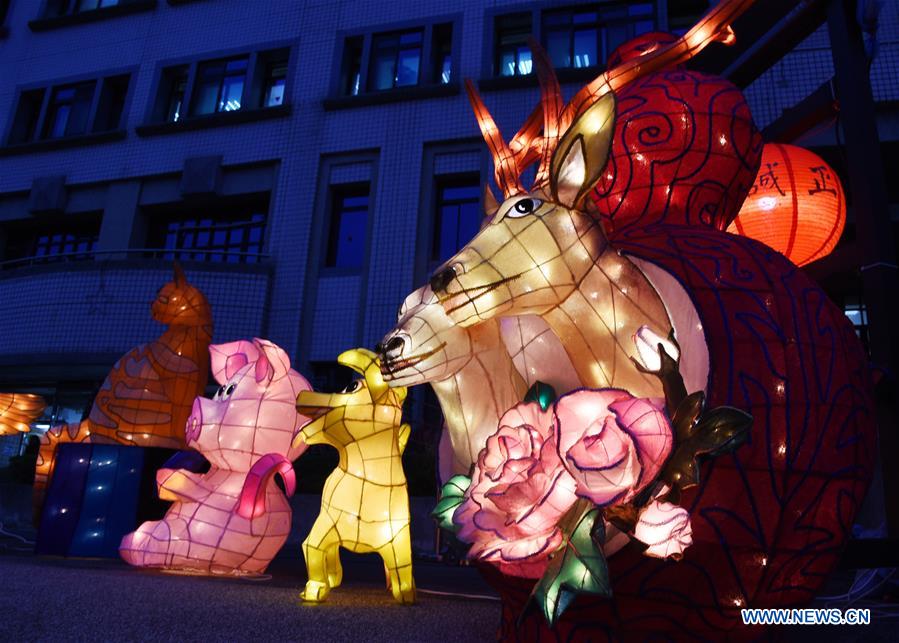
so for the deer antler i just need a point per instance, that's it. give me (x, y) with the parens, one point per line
(715, 25)
(510, 160)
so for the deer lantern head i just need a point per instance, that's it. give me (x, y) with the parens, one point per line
(425, 345)
(540, 243)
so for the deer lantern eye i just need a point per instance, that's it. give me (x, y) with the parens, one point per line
(352, 387)
(524, 207)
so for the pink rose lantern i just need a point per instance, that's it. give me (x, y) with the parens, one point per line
(604, 445)
(519, 492)
(665, 529)
(612, 443)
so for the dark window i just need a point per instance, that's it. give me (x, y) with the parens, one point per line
(112, 102)
(349, 223)
(584, 37)
(275, 79)
(68, 110)
(513, 56)
(4, 9)
(28, 112)
(235, 238)
(683, 14)
(43, 240)
(458, 213)
(352, 66)
(443, 53)
(90, 5)
(220, 86)
(857, 313)
(225, 85)
(174, 85)
(395, 60)
(68, 7)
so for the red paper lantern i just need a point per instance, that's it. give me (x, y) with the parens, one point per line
(795, 206)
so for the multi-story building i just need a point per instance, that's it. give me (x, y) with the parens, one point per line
(307, 162)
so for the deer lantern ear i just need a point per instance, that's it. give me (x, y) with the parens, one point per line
(180, 279)
(491, 205)
(582, 153)
(368, 364)
(273, 363)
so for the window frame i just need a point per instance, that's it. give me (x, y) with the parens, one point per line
(5, 7)
(45, 19)
(158, 218)
(154, 120)
(448, 181)
(429, 79)
(333, 226)
(490, 77)
(39, 142)
(49, 225)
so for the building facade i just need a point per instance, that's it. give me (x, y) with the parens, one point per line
(307, 162)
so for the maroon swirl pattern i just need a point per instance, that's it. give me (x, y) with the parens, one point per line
(685, 152)
(770, 521)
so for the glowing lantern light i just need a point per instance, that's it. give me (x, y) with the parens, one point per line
(17, 410)
(232, 519)
(795, 206)
(365, 501)
(147, 396)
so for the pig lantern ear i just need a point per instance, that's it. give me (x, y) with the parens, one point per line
(227, 359)
(272, 363)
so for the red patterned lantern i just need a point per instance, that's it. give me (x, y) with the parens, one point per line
(795, 206)
(685, 149)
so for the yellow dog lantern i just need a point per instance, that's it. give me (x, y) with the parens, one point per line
(365, 502)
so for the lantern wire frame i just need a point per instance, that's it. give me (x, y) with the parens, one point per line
(365, 500)
(232, 519)
(18, 411)
(146, 398)
(796, 204)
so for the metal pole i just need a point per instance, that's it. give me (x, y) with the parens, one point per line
(874, 234)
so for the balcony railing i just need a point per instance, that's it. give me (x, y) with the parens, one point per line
(233, 257)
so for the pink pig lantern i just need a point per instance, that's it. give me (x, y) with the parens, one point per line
(234, 518)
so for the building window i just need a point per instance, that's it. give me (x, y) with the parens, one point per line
(352, 66)
(248, 81)
(458, 217)
(395, 60)
(399, 59)
(213, 232)
(443, 53)
(56, 8)
(220, 86)
(274, 82)
(858, 314)
(46, 240)
(174, 84)
(513, 56)
(349, 224)
(574, 37)
(69, 110)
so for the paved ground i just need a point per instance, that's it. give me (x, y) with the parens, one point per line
(70, 600)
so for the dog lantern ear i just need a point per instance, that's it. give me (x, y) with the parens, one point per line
(367, 364)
